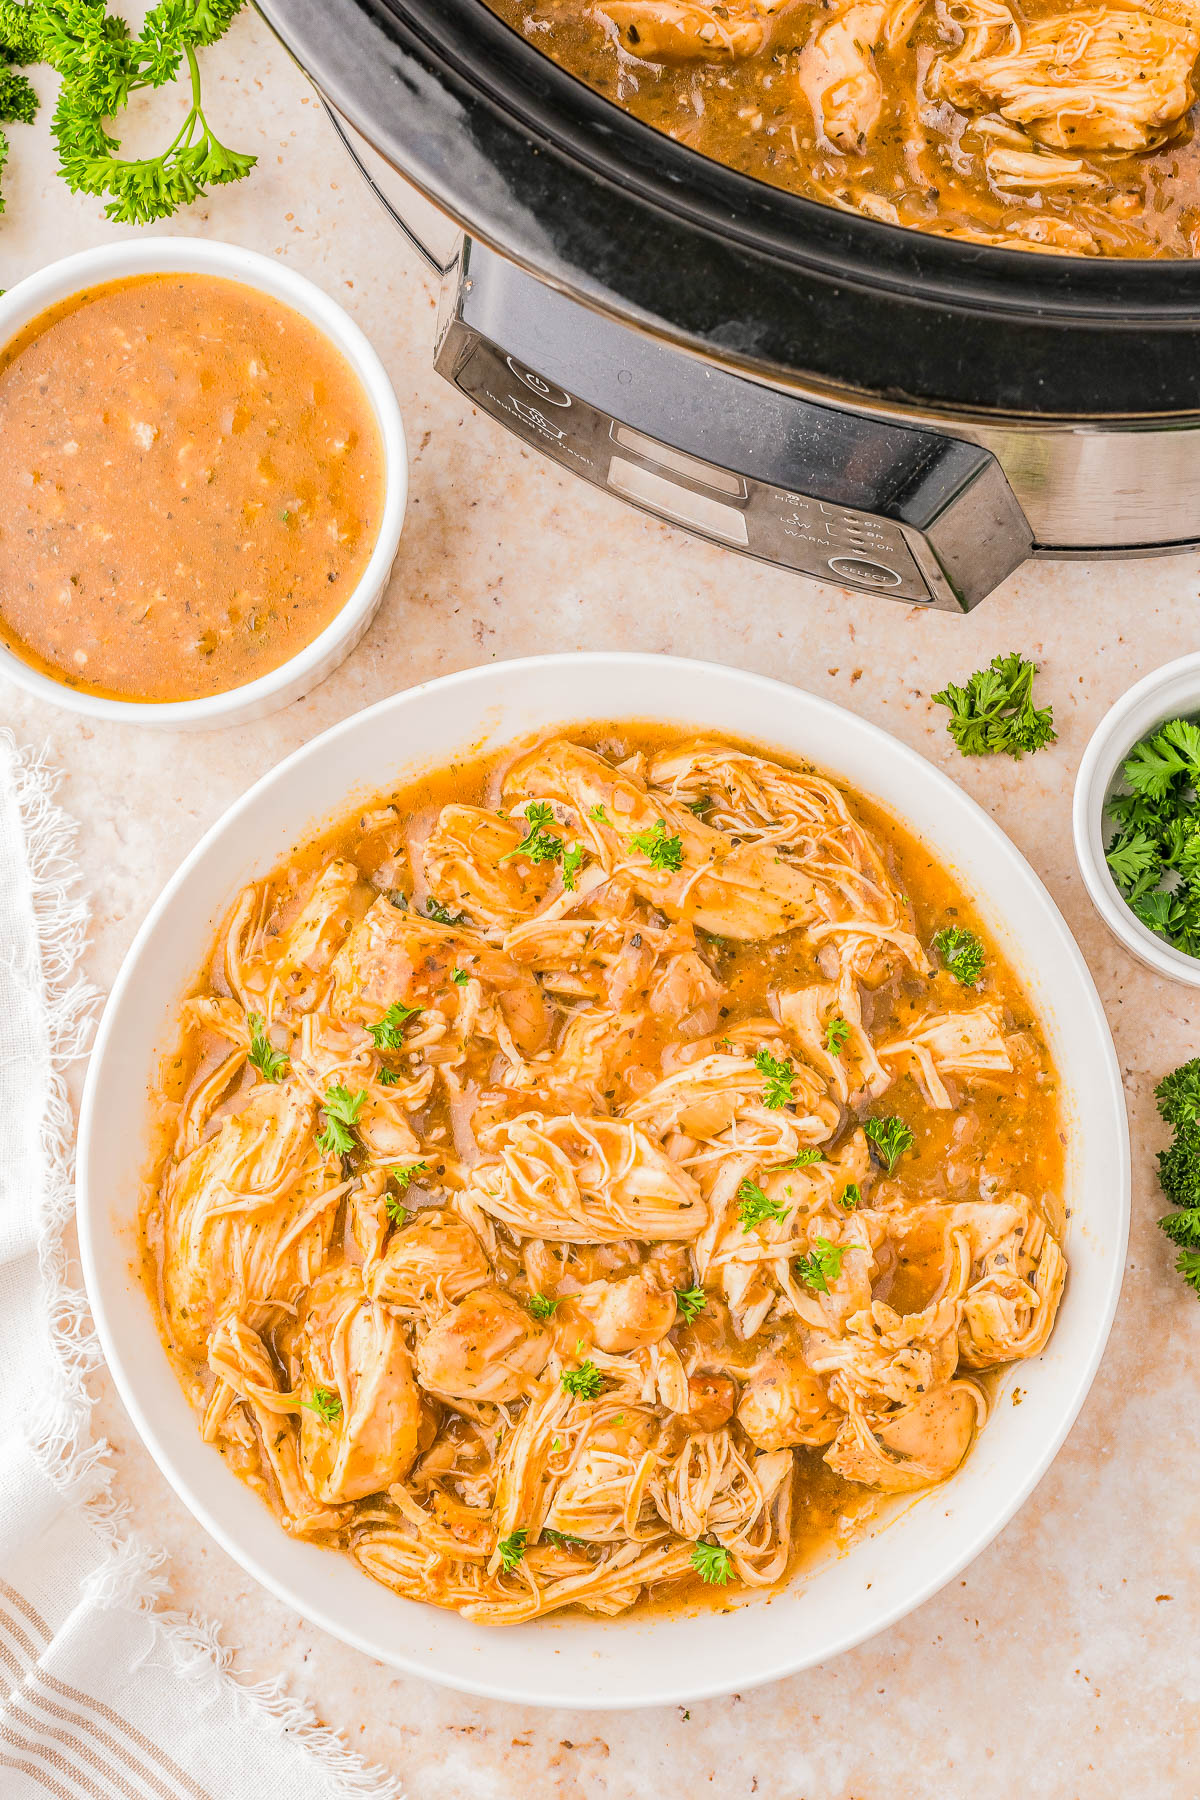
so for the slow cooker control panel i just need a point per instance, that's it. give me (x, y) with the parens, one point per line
(838, 495)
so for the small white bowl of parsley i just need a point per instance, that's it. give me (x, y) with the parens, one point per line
(1137, 820)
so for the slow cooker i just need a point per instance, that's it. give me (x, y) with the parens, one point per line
(900, 413)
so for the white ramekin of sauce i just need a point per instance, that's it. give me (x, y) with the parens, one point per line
(184, 564)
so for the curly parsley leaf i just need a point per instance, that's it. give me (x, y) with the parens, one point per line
(405, 1175)
(341, 1115)
(962, 953)
(836, 1033)
(539, 844)
(755, 1207)
(326, 1404)
(387, 1033)
(779, 1078)
(661, 850)
(820, 1266)
(102, 65)
(995, 713)
(850, 1196)
(584, 1383)
(270, 1062)
(691, 1302)
(541, 1306)
(712, 1563)
(571, 862)
(890, 1138)
(512, 1549)
(565, 1540)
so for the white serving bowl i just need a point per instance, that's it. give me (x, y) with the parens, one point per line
(1167, 693)
(205, 256)
(632, 1661)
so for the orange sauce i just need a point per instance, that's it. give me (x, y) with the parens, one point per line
(191, 484)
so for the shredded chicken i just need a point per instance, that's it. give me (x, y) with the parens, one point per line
(520, 1228)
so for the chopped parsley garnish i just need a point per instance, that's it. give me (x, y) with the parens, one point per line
(571, 862)
(890, 1138)
(388, 1078)
(1178, 1096)
(460, 978)
(341, 1115)
(700, 806)
(325, 1403)
(512, 1549)
(584, 1382)
(541, 1306)
(836, 1033)
(820, 1266)
(396, 1211)
(539, 844)
(269, 1061)
(660, 850)
(779, 1078)
(441, 915)
(1154, 855)
(387, 1033)
(995, 711)
(805, 1158)
(598, 813)
(962, 953)
(405, 1176)
(850, 1197)
(692, 1302)
(566, 1540)
(754, 1207)
(712, 1563)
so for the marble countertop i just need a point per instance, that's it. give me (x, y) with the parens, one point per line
(1064, 1662)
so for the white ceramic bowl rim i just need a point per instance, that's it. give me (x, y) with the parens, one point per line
(210, 256)
(1168, 692)
(638, 1661)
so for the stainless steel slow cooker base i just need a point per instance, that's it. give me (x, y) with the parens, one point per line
(929, 508)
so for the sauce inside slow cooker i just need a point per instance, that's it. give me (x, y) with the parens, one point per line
(1062, 128)
(191, 482)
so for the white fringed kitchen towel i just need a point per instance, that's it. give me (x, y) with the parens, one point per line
(103, 1696)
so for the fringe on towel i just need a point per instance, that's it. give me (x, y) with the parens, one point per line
(131, 1574)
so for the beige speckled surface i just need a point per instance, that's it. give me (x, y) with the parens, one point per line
(1063, 1663)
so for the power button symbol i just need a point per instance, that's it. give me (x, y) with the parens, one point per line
(545, 390)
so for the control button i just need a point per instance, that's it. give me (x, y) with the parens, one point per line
(545, 390)
(871, 574)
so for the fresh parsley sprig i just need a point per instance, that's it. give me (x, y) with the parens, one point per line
(890, 1138)
(712, 1563)
(994, 712)
(512, 1549)
(539, 844)
(836, 1033)
(542, 1307)
(755, 1207)
(779, 1078)
(326, 1403)
(342, 1108)
(387, 1033)
(661, 850)
(820, 1266)
(102, 65)
(270, 1062)
(962, 954)
(583, 1383)
(691, 1302)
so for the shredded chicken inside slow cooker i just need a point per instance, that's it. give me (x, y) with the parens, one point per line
(586, 1172)
(1061, 128)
